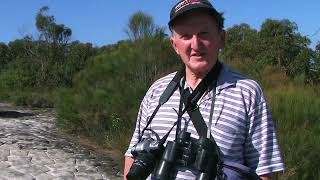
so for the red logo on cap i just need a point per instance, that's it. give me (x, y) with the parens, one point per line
(185, 3)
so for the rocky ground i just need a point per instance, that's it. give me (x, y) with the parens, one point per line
(32, 149)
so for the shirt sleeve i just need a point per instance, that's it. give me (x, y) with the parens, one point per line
(262, 151)
(140, 124)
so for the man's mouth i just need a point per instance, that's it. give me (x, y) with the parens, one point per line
(197, 54)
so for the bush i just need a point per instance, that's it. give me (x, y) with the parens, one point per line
(106, 95)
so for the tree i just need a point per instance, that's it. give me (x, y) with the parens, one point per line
(314, 75)
(76, 60)
(301, 64)
(50, 31)
(56, 36)
(285, 47)
(241, 42)
(282, 41)
(142, 26)
(317, 48)
(23, 49)
(51, 47)
(4, 55)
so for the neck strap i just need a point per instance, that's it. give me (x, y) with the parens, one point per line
(192, 99)
(204, 85)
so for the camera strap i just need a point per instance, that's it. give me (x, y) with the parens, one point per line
(190, 100)
(172, 86)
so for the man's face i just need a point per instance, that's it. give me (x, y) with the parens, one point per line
(197, 40)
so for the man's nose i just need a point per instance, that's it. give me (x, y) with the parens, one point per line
(195, 42)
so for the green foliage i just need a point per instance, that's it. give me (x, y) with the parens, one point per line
(17, 76)
(56, 34)
(31, 66)
(295, 111)
(314, 73)
(70, 118)
(100, 89)
(106, 95)
(40, 99)
(296, 114)
(77, 57)
(300, 64)
(142, 26)
(277, 43)
(282, 43)
(277, 37)
(300, 80)
(5, 57)
(47, 63)
(242, 40)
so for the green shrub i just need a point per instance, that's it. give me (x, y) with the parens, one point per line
(296, 114)
(33, 99)
(106, 95)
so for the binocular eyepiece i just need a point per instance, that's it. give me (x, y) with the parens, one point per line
(200, 156)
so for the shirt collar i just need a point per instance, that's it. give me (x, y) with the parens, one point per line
(225, 79)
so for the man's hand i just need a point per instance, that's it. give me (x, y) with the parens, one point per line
(127, 165)
(265, 177)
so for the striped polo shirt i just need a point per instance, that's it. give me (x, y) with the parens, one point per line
(241, 122)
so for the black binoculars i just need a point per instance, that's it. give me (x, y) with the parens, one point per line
(200, 156)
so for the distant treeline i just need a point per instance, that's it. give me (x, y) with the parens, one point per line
(97, 90)
(43, 63)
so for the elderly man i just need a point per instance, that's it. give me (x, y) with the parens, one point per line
(232, 107)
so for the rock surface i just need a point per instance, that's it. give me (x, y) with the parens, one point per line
(32, 149)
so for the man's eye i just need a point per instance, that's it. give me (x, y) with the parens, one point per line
(203, 34)
(186, 36)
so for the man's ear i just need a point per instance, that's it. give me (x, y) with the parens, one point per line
(173, 44)
(222, 35)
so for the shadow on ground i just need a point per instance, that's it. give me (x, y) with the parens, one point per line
(13, 114)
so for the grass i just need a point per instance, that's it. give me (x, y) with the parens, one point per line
(31, 98)
(296, 112)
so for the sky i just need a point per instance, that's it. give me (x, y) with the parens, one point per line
(102, 22)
